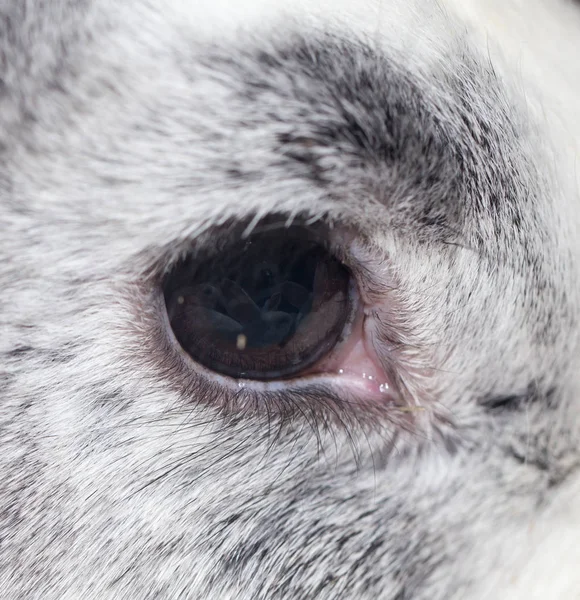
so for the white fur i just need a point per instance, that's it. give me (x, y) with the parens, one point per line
(119, 124)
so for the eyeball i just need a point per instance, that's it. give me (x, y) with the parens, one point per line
(265, 307)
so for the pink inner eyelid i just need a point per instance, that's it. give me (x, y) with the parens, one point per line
(356, 364)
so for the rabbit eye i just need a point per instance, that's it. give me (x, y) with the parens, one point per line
(265, 307)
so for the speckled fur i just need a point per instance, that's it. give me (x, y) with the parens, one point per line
(447, 136)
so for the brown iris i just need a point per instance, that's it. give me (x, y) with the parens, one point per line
(266, 307)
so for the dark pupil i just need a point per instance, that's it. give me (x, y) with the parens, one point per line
(265, 307)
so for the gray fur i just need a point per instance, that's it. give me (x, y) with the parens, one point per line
(128, 131)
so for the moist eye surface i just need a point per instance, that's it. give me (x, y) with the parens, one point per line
(265, 307)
